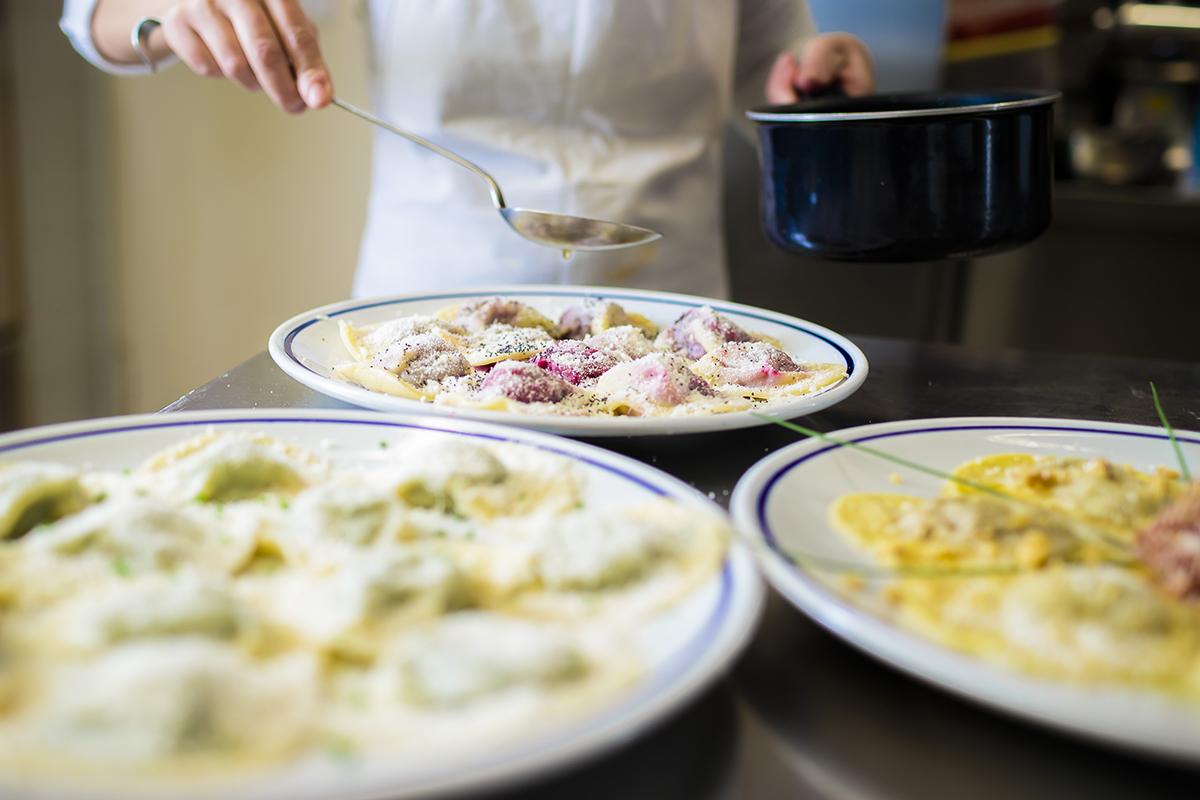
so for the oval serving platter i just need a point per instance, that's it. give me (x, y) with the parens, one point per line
(308, 345)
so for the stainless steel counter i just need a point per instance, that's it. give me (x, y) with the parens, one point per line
(804, 715)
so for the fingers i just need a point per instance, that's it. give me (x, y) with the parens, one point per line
(254, 43)
(833, 59)
(822, 62)
(191, 49)
(858, 76)
(781, 83)
(265, 54)
(299, 37)
(214, 31)
(836, 58)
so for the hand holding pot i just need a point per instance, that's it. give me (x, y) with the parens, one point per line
(830, 61)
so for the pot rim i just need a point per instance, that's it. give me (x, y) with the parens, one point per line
(1037, 99)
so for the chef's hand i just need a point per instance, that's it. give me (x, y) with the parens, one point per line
(828, 61)
(258, 44)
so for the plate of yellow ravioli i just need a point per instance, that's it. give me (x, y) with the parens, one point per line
(1047, 568)
(578, 361)
(286, 604)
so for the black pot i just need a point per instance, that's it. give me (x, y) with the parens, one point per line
(907, 177)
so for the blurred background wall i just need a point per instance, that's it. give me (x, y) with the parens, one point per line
(228, 216)
(905, 36)
(154, 231)
(164, 226)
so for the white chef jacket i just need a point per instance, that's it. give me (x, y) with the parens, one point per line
(612, 109)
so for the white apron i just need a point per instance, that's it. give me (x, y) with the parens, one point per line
(612, 109)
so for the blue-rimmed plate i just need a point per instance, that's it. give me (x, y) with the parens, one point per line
(782, 505)
(684, 648)
(307, 346)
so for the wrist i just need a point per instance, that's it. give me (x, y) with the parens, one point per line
(112, 27)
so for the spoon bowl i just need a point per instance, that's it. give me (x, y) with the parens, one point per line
(575, 233)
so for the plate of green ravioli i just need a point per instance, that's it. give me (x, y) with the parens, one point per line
(301, 604)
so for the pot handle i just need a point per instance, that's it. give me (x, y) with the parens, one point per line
(833, 91)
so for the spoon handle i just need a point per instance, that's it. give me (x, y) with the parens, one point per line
(497, 196)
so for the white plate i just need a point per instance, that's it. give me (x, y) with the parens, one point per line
(782, 504)
(308, 345)
(685, 647)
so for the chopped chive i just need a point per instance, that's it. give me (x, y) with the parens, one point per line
(1102, 537)
(937, 473)
(341, 750)
(826, 564)
(1162, 415)
(919, 571)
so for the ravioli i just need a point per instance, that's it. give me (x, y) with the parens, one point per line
(475, 675)
(1114, 497)
(150, 607)
(622, 563)
(188, 700)
(595, 315)
(1088, 624)
(477, 316)
(970, 531)
(1039, 577)
(762, 371)
(34, 494)
(236, 603)
(599, 359)
(366, 343)
(351, 610)
(232, 467)
(117, 539)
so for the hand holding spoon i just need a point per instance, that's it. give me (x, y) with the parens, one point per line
(559, 231)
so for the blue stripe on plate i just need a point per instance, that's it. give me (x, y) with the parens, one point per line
(292, 334)
(681, 661)
(377, 423)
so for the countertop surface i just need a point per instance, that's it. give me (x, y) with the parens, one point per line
(803, 714)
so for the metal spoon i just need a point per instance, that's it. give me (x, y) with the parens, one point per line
(559, 231)
(552, 230)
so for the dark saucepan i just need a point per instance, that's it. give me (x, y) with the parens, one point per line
(907, 177)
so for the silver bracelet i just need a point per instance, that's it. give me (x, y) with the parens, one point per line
(140, 38)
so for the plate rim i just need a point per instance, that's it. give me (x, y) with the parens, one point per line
(727, 632)
(279, 345)
(907, 651)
